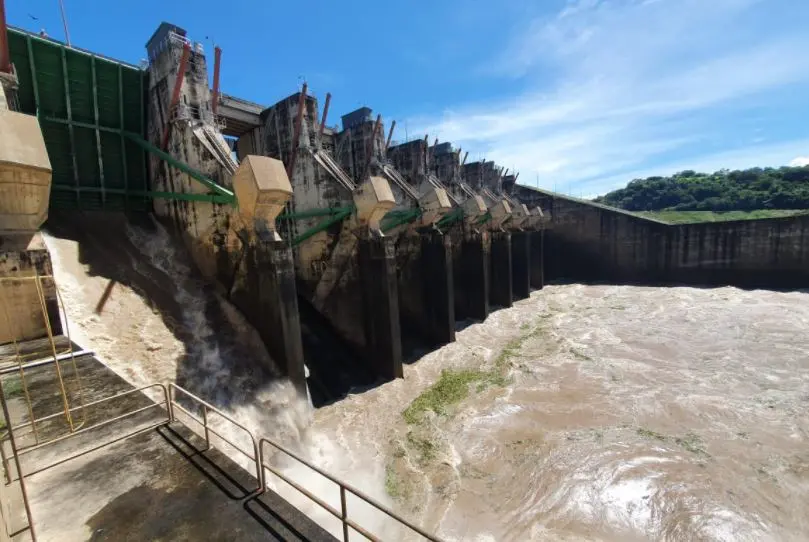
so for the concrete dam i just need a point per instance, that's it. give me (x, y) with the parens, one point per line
(323, 258)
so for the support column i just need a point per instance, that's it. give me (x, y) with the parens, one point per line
(265, 291)
(521, 264)
(501, 285)
(439, 293)
(381, 306)
(537, 259)
(471, 276)
(426, 295)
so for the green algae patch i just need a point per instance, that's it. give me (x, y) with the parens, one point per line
(451, 388)
(454, 385)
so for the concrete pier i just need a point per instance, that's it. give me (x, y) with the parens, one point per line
(471, 268)
(521, 264)
(501, 290)
(380, 299)
(264, 289)
(232, 239)
(426, 294)
(537, 267)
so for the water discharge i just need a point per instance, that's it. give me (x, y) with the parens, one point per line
(628, 413)
(622, 413)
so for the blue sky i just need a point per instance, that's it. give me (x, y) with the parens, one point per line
(578, 95)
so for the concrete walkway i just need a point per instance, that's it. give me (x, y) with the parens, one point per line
(161, 484)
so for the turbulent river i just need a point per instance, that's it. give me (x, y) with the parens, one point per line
(582, 413)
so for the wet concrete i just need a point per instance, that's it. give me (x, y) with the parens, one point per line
(162, 484)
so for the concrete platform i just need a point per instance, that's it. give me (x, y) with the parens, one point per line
(161, 484)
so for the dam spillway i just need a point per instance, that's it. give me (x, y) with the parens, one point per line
(327, 237)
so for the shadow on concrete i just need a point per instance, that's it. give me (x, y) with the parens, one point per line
(335, 368)
(226, 482)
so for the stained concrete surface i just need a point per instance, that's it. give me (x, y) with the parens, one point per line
(161, 484)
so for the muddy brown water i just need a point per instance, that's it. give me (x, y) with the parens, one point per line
(628, 413)
(631, 414)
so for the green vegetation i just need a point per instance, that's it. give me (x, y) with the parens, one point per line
(12, 387)
(451, 388)
(752, 189)
(648, 433)
(425, 447)
(685, 217)
(453, 385)
(690, 442)
(393, 485)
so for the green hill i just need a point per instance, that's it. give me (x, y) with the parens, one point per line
(742, 190)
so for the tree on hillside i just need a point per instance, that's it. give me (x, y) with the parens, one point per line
(724, 190)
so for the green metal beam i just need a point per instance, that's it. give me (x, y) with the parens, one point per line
(182, 166)
(323, 226)
(70, 122)
(121, 122)
(485, 218)
(227, 195)
(451, 217)
(34, 81)
(397, 218)
(97, 133)
(210, 198)
(142, 124)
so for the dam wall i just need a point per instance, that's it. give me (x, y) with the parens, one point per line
(592, 242)
(198, 183)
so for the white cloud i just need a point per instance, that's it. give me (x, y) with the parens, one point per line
(800, 161)
(633, 83)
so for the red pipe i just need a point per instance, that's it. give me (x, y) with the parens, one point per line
(296, 138)
(5, 57)
(217, 58)
(175, 95)
(390, 134)
(325, 116)
(464, 157)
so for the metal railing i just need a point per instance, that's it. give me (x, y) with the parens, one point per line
(16, 452)
(206, 409)
(259, 458)
(21, 452)
(259, 454)
(341, 514)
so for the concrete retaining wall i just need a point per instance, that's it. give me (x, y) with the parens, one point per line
(586, 241)
(21, 257)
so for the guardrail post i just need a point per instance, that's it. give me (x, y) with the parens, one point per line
(6, 471)
(205, 425)
(170, 402)
(345, 512)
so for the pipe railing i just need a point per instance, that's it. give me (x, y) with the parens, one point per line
(341, 514)
(259, 456)
(206, 409)
(21, 452)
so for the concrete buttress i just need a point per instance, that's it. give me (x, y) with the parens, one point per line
(237, 247)
(381, 306)
(344, 264)
(501, 290)
(521, 263)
